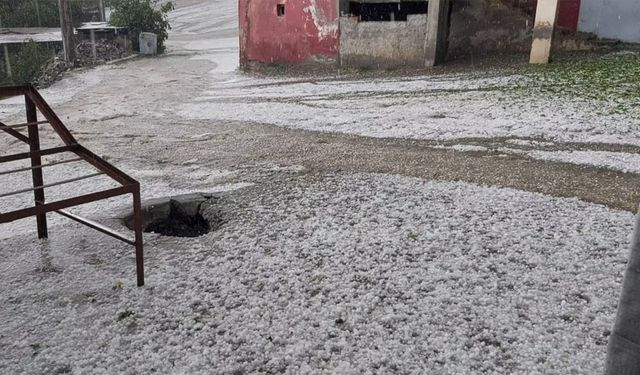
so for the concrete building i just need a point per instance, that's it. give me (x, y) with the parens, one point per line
(615, 19)
(393, 33)
(288, 31)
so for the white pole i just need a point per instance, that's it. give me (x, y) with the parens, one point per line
(7, 60)
(93, 45)
(543, 30)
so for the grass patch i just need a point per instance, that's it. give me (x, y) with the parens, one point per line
(127, 314)
(611, 82)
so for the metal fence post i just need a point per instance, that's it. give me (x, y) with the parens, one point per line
(36, 163)
(139, 239)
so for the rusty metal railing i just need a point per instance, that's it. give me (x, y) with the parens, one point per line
(127, 185)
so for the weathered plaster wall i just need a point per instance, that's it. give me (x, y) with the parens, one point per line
(310, 31)
(307, 32)
(478, 27)
(497, 26)
(568, 13)
(488, 26)
(616, 19)
(392, 44)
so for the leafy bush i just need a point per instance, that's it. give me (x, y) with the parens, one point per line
(27, 64)
(142, 16)
(4, 77)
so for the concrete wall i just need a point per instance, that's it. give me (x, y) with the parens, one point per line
(477, 27)
(310, 31)
(482, 27)
(307, 32)
(487, 27)
(567, 15)
(616, 19)
(390, 44)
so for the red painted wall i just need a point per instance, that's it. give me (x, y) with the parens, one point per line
(307, 30)
(569, 14)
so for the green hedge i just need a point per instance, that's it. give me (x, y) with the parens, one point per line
(26, 64)
(142, 16)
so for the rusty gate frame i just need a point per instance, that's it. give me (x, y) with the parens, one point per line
(34, 102)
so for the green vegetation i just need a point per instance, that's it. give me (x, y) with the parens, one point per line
(29, 13)
(44, 13)
(411, 234)
(142, 16)
(127, 314)
(611, 82)
(26, 64)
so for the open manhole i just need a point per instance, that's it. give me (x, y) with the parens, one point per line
(179, 224)
(180, 216)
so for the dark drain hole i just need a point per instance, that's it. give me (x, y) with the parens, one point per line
(177, 224)
(181, 216)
